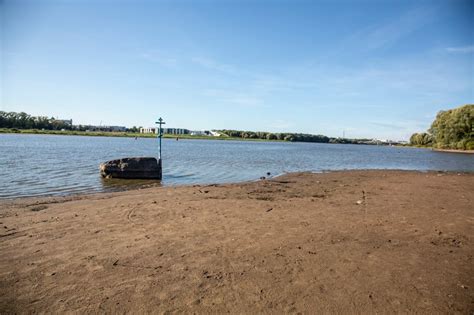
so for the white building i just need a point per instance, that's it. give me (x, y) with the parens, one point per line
(198, 133)
(167, 131)
(176, 131)
(205, 133)
(149, 130)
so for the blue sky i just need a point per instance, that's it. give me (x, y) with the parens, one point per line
(378, 69)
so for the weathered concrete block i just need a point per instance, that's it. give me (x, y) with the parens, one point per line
(138, 168)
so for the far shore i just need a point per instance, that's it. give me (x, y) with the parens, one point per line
(339, 242)
(132, 135)
(182, 137)
(114, 134)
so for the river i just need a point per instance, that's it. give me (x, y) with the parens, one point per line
(40, 165)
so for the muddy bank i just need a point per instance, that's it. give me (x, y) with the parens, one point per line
(454, 151)
(356, 241)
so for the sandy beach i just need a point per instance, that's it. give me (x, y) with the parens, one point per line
(339, 242)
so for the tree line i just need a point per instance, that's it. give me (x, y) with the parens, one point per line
(292, 137)
(22, 120)
(452, 129)
(13, 120)
(25, 121)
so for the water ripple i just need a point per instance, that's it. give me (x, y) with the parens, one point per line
(63, 165)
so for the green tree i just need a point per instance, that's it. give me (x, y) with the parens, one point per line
(271, 136)
(453, 129)
(421, 139)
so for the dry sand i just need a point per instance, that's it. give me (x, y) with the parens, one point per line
(345, 242)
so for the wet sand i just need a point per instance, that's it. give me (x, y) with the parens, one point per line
(339, 242)
(454, 151)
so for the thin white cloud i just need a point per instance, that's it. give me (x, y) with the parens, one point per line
(223, 96)
(244, 100)
(461, 50)
(420, 80)
(406, 125)
(160, 58)
(380, 36)
(215, 65)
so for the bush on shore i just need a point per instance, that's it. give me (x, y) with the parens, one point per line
(452, 129)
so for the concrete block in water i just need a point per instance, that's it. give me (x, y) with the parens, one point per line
(137, 168)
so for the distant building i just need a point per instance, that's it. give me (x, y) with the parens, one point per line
(176, 131)
(166, 131)
(148, 130)
(205, 133)
(199, 133)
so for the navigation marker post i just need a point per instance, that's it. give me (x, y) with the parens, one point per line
(160, 135)
(135, 167)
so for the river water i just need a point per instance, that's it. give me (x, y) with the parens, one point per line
(38, 165)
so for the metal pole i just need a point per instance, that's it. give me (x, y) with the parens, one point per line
(160, 132)
(160, 135)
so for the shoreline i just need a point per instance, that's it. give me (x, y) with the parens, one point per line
(342, 241)
(439, 150)
(453, 151)
(158, 185)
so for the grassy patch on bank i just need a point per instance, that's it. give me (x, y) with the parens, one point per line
(73, 133)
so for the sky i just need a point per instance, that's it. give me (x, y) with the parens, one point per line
(368, 69)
